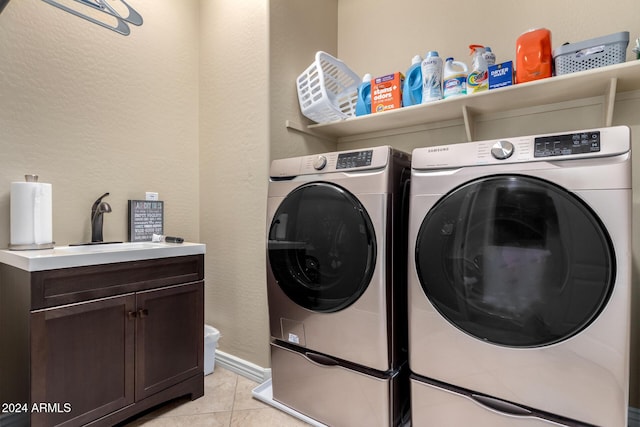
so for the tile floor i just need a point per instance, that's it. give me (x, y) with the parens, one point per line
(227, 402)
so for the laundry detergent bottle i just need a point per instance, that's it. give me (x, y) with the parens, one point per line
(478, 79)
(431, 77)
(534, 57)
(363, 102)
(412, 87)
(489, 56)
(455, 78)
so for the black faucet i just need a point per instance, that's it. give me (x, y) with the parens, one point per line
(97, 210)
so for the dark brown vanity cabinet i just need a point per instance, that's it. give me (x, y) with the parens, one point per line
(83, 355)
(99, 344)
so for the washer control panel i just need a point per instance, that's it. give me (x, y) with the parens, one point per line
(579, 144)
(563, 145)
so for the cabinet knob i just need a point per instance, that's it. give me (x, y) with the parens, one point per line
(143, 312)
(132, 315)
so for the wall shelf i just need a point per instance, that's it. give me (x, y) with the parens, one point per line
(603, 82)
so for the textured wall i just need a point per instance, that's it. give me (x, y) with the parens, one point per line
(377, 37)
(92, 111)
(298, 28)
(234, 153)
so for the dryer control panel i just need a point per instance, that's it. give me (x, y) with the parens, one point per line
(362, 160)
(355, 159)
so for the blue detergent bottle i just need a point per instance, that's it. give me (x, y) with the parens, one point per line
(363, 103)
(412, 88)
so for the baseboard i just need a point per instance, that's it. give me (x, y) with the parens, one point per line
(634, 417)
(242, 367)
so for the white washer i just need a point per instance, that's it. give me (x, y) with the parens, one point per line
(335, 285)
(519, 281)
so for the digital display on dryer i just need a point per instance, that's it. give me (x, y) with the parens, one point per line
(354, 160)
(562, 145)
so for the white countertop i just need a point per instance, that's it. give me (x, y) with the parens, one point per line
(77, 256)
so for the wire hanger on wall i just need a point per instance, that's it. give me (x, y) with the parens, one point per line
(106, 13)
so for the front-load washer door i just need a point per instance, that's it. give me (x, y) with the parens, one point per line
(515, 261)
(322, 247)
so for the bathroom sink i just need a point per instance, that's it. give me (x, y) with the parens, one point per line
(94, 254)
(107, 247)
(93, 243)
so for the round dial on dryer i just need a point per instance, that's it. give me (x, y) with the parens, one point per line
(502, 150)
(319, 163)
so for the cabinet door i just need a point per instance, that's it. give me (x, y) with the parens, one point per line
(169, 337)
(82, 360)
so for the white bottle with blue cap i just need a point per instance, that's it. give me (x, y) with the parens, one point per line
(489, 56)
(455, 78)
(431, 77)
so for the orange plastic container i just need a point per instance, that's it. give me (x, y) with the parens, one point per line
(534, 59)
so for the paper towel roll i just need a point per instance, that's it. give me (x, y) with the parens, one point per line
(31, 214)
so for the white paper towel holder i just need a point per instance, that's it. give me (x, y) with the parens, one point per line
(32, 246)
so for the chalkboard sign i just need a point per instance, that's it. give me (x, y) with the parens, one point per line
(146, 217)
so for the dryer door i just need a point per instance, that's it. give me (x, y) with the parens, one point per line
(322, 247)
(516, 261)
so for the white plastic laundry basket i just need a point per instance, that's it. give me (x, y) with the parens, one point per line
(327, 90)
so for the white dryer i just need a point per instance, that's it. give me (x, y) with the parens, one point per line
(519, 281)
(336, 290)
